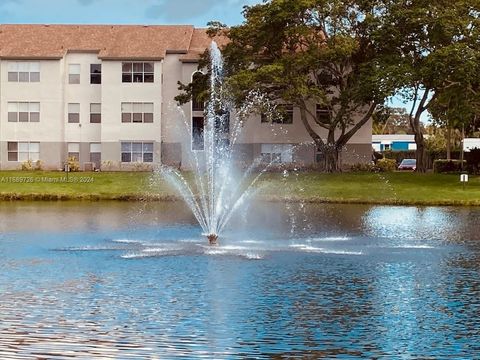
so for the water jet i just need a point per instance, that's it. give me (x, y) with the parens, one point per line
(216, 188)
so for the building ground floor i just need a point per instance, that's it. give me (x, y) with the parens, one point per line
(144, 155)
(301, 155)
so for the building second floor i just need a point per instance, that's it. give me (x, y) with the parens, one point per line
(79, 86)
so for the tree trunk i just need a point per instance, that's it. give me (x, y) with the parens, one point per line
(415, 124)
(329, 150)
(332, 148)
(449, 143)
(421, 153)
(331, 158)
(331, 153)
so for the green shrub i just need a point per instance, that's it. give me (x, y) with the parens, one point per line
(73, 164)
(386, 165)
(30, 165)
(138, 166)
(362, 167)
(448, 166)
(432, 155)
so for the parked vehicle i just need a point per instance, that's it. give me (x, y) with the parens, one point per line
(408, 164)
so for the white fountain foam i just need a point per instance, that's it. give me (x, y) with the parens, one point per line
(215, 251)
(420, 246)
(253, 256)
(343, 252)
(127, 241)
(135, 255)
(314, 249)
(216, 190)
(331, 238)
(252, 242)
(92, 248)
(157, 250)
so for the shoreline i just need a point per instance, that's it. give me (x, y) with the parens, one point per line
(306, 187)
(10, 197)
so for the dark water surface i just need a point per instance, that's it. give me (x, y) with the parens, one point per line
(137, 281)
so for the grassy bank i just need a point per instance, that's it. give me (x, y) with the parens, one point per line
(391, 188)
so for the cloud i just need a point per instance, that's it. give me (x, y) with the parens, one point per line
(186, 9)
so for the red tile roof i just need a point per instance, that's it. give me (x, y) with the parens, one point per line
(200, 41)
(110, 41)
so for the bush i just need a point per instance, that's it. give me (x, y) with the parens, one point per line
(377, 156)
(386, 165)
(432, 155)
(73, 164)
(29, 165)
(138, 166)
(362, 167)
(447, 166)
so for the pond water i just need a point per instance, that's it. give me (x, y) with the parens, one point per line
(137, 281)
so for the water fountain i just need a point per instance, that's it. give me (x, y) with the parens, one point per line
(217, 189)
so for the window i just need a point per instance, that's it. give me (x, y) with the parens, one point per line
(23, 112)
(196, 89)
(197, 105)
(284, 115)
(74, 113)
(137, 72)
(23, 151)
(74, 73)
(95, 113)
(137, 152)
(74, 150)
(24, 71)
(324, 115)
(95, 73)
(277, 153)
(137, 112)
(96, 154)
(197, 133)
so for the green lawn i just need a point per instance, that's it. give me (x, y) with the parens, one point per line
(48, 185)
(389, 188)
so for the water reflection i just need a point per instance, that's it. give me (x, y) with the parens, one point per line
(429, 223)
(136, 281)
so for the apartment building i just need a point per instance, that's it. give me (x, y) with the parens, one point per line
(105, 95)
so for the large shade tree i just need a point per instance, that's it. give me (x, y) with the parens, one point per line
(433, 59)
(305, 52)
(391, 120)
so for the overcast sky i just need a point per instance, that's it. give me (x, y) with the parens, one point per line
(195, 12)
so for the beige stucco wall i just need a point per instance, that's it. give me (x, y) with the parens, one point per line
(49, 92)
(169, 131)
(84, 94)
(114, 92)
(257, 132)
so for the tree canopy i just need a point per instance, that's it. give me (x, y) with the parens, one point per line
(310, 52)
(348, 57)
(433, 58)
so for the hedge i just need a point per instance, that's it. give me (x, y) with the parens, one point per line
(448, 166)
